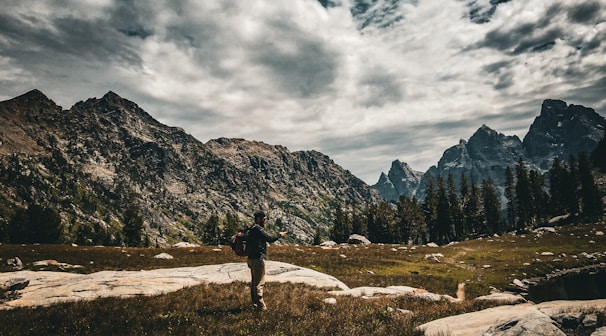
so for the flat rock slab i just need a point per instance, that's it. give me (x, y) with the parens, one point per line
(46, 288)
(478, 323)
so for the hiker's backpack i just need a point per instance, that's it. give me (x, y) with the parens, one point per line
(238, 243)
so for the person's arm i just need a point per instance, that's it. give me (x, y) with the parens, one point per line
(271, 239)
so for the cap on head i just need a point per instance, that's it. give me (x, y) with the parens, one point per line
(259, 214)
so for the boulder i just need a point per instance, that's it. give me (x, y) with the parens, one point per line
(47, 288)
(184, 244)
(520, 319)
(163, 255)
(328, 243)
(502, 298)
(16, 263)
(358, 239)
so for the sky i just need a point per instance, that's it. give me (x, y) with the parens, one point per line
(365, 82)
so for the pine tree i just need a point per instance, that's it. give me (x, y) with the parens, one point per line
(492, 207)
(571, 187)
(133, 227)
(456, 210)
(592, 206)
(317, 236)
(211, 231)
(341, 229)
(510, 195)
(230, 228)
(411, 222)
(557, 177)
(598, 156)
(386, 223)
(540, 198)
(444, 216)
(523, 202)
(430, 207)
(359, 224)
(472, 210)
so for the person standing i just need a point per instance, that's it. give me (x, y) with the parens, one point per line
(256, 241)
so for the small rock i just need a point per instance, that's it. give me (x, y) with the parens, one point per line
(432, 245)
(163, 255)
(590, 321)
(502, 298)
(184, 244)
(547, 253)
(519, 283)
(405, 311)
(599, 233)
(331, 301)
(16, 263)
(599, 332)
(342, 256)
(329, 243)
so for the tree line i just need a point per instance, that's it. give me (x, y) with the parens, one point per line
(451, 212)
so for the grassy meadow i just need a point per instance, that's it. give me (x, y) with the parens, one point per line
(295, 309)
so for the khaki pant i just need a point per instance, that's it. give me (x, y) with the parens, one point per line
(257, 281)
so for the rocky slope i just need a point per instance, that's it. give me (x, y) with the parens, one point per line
(98, 158)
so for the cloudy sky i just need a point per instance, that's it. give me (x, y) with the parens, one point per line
(362, 81)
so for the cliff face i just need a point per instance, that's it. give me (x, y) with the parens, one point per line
(98, 158)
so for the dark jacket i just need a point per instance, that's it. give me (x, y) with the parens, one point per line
(256, 241)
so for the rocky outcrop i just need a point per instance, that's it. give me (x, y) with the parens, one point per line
(45, 288)
(520, 319)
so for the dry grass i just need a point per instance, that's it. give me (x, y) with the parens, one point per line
(298, 309)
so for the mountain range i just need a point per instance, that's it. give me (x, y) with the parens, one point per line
(560, 130)
(102, 156)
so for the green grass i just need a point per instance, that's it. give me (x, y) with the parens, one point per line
(296, 309)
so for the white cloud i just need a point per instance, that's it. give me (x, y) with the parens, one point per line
(293, 73)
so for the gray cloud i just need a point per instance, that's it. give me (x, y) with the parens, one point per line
(295, 73)
(69, 39)
(380, 88)
(130, 18)
(306, 68)
(586, 12)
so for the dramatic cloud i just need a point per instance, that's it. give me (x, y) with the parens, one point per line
(363, 81)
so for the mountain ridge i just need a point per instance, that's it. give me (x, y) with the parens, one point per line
(101, 156)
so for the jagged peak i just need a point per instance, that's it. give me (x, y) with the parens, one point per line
(34, 97)
(485, 128)
(30, 96)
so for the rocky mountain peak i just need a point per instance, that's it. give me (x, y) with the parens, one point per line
(562, 130)
(35, 100)
(401, 180)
